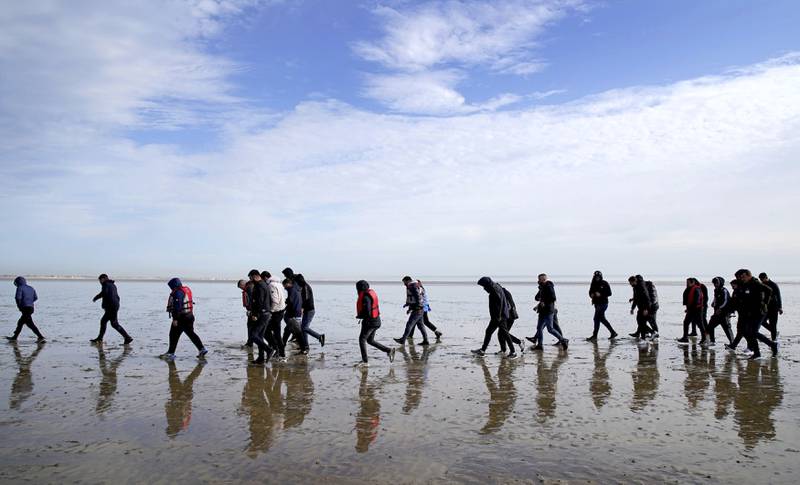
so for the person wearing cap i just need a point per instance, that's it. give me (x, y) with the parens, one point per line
(110, 304)
(599, 291)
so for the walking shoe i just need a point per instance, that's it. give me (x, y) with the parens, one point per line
(168, 357)
(362, 365)
(259, 361)
(531, 340)
(478, 352)
(754, 357)
(282, 359)
(400, 341)
(683, 340)
(11, 339)
(302, 352)
(655, 335)
(634, 334)
(593, 338)
(565, 343)
(40, 340)
(613, 336)
(556, 343)
(391, 354)
(202, 353)
(693, 334)
(438, 335)
(127, 341)
(512, 356)
(424, 342)
(728, 346)
(521, 348)
(500, 352)
(322, 340)
(538, 347)
(96, 341)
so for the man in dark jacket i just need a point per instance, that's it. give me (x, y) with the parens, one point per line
(25, 298)
(416, 311)
(546, 308)
(499, 313)
(599, 291)
(722, 310)
(258, 316)
(703, 311)
(752, 303)
(693, 301)
(110, 304)
(180, 307)
(247, 294)
(368, 311)
(307, 295)
(294, 314)
(775, 306)
(641, 304)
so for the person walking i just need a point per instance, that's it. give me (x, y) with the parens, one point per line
(277, 307)
(546, 308)
(722, 314)
(499, 313)
(368, 311)
(599, 291)
(180, 307)
(752, 308)
(307, 295)
(259, 316)
(110, 304)
(247, 294)
(640, 304)
(25, 298)
(693, 301)
(774, 307)
(294, 314)
(416, 312)
(426, 307)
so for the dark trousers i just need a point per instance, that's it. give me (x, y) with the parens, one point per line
(111, 316)
(249, 338)
(695, 318)
(256, 332)
(273, 333)
(425, 321)
(185, 324)
(642, 320)
(703, 319)
(771, 323)
(652, 319)
(293, 327)
(415, 318)
(720, 320)
(753, 336)
(600, 317)
(27, 319)
(502, 330)
(367, 336)
(514, 339)
(740, 332)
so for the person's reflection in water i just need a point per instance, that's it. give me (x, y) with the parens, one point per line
(299, 393)
(600, 385)
(547, 384)
(108, 381)
(256, 404)
(724, 387)
(368, 418)
(695, 361)
(22, 387)
(760, 393)
(502, 394)
(416, 373)
(645, 377)
(179, 405)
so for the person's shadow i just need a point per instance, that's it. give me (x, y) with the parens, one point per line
(108, 381)
(299, 393)
(416, 373)
(502, 394)
(645, 377)
(600, 385)
(368, 417)
(22, 386)
(760, 393)
(547, 384)
(179, 405)
(257, 406)
(698, 377)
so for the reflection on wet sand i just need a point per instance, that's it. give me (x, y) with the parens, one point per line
(760, 392)
(724, 387)
(368, 418)
(695, 362)
(645, 376)
(600, 385)
(108, 381)
(22, 387)
(546, 385)
(502, 394)
(299, 393)
(416, 373)
(263, 402)
(179, 405)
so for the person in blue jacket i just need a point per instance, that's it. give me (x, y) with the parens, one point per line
(180, 307)
(110, 304)
(25, 297)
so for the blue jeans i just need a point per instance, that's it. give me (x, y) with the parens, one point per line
(306, 325)
(415, 318)
(546, 321)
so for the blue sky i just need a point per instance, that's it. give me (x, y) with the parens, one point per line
(351, 139)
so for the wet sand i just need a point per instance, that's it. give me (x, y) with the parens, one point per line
(606, 412)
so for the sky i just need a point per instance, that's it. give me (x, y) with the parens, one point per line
(202, 138)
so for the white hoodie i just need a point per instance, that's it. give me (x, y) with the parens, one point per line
(277, 295)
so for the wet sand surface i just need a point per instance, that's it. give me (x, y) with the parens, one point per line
(607, 412)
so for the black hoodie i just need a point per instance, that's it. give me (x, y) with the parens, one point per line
(601, 286)
(109, 295)
(305, 292)
(546, 296)
(498, 305)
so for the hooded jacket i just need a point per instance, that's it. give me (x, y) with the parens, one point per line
(414, 297)
(752, 299)
(366, 302)
(775, 302)
(546, 296)
(722, 297)
(641, 297)
(294, 302)
(498, 305)
(177, 297)
(305, 292)
(259, 298)
(601, 286)
(277, 296)
(108, 296)
(26, 295)
(652, 292)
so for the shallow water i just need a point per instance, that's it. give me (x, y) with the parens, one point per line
(610, 412)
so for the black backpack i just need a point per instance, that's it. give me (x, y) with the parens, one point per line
(651, 291)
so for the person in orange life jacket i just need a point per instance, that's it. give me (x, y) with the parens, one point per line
(25, 298)
(641, 304)
(294, 314)
(259, 316)
(426, 307)
(180, 307)
(110, 304)
(693, 300)
(247, 292)
(775, 306)
(722, 314)
(416, 311)
(368, 311)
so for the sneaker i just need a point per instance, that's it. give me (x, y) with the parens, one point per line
(202, 353)
(634, 334)
(438, 335)
(728, 346)
(512, 356)
(282, 359)
(96, 341)
(259, 361)
(322, 340)
(613, 336)
(531, 340)
(168, 357)
(362, 365)
(693, 334)
(500, 352)
(424, 343)
(391, 355)
(556, 344)
(655, 335)
(11, 339)
(127, 341)
(593, 338)
(565, 343)
(683, 340)
(40, 340)
(478, 352)
(302, 352)
(538, 347)
(400, 341)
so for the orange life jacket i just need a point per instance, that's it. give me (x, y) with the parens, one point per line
(188, 303)
(374, 312)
